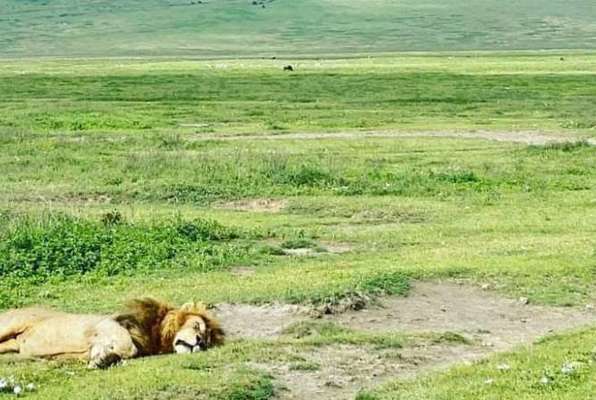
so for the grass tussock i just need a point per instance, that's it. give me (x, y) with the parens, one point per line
(566, 147)
(315, 333)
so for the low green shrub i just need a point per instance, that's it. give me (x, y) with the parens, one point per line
(61, 246)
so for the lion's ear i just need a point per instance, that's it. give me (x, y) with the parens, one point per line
(188, 307)
(193, 307)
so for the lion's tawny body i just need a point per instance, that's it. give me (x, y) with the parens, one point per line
(149, 327)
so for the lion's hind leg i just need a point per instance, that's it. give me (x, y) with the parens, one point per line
(9, 346)
(12, 324)
(10, 328)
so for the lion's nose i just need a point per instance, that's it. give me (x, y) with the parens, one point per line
(201, 343)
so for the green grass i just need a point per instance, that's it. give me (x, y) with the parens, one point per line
(429, 208)
(58, 248)
(286, 28)
(227, 172)
(178, 98)
(108, 191)
(218, 374)
(63, 246)
(422, 207)
(234, 371)
(560, 367)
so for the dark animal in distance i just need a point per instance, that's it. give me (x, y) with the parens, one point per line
(288, 68)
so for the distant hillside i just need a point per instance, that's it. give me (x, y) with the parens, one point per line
(214, 28)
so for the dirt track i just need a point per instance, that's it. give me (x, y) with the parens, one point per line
(515, 137)
(491, 323)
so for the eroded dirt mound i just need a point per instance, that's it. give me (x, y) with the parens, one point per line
(338, 371)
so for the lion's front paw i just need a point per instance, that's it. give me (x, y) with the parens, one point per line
(102, 356)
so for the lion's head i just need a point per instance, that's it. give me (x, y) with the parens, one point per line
(157, 328)
(193, 329)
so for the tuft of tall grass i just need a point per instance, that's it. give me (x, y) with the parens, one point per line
(255, 174)
(566, 146)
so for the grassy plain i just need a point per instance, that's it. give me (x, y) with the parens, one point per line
(99, 157)
(462, 92)
(419, 206)
(33, 28)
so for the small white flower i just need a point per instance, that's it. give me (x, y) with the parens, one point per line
(544, 380)
(17, 390)
(503, 367)
(3, 384)
(524, 300)
(489, 381)
(569, 368)
(30, 387)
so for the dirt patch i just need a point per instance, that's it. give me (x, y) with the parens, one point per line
(255, 205)
(384, 216)
(479, 314)
(302, 252)
(490, 322)
(242, 271)
(337, 248)
(262, 322)
(534, 138)
(308, 247)
(194, 125)
(323, 249)
(341, 371)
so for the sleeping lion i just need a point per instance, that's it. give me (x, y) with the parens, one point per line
(148, 327)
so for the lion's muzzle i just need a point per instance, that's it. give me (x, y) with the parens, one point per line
(183, 347)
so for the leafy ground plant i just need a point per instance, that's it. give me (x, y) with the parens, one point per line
(61, 246)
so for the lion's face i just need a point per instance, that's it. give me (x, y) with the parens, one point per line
(194, 336)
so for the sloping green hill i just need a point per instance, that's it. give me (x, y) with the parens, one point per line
(213, 28)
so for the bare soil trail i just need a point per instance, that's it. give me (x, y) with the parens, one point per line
(489, 322)
(530, 138)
